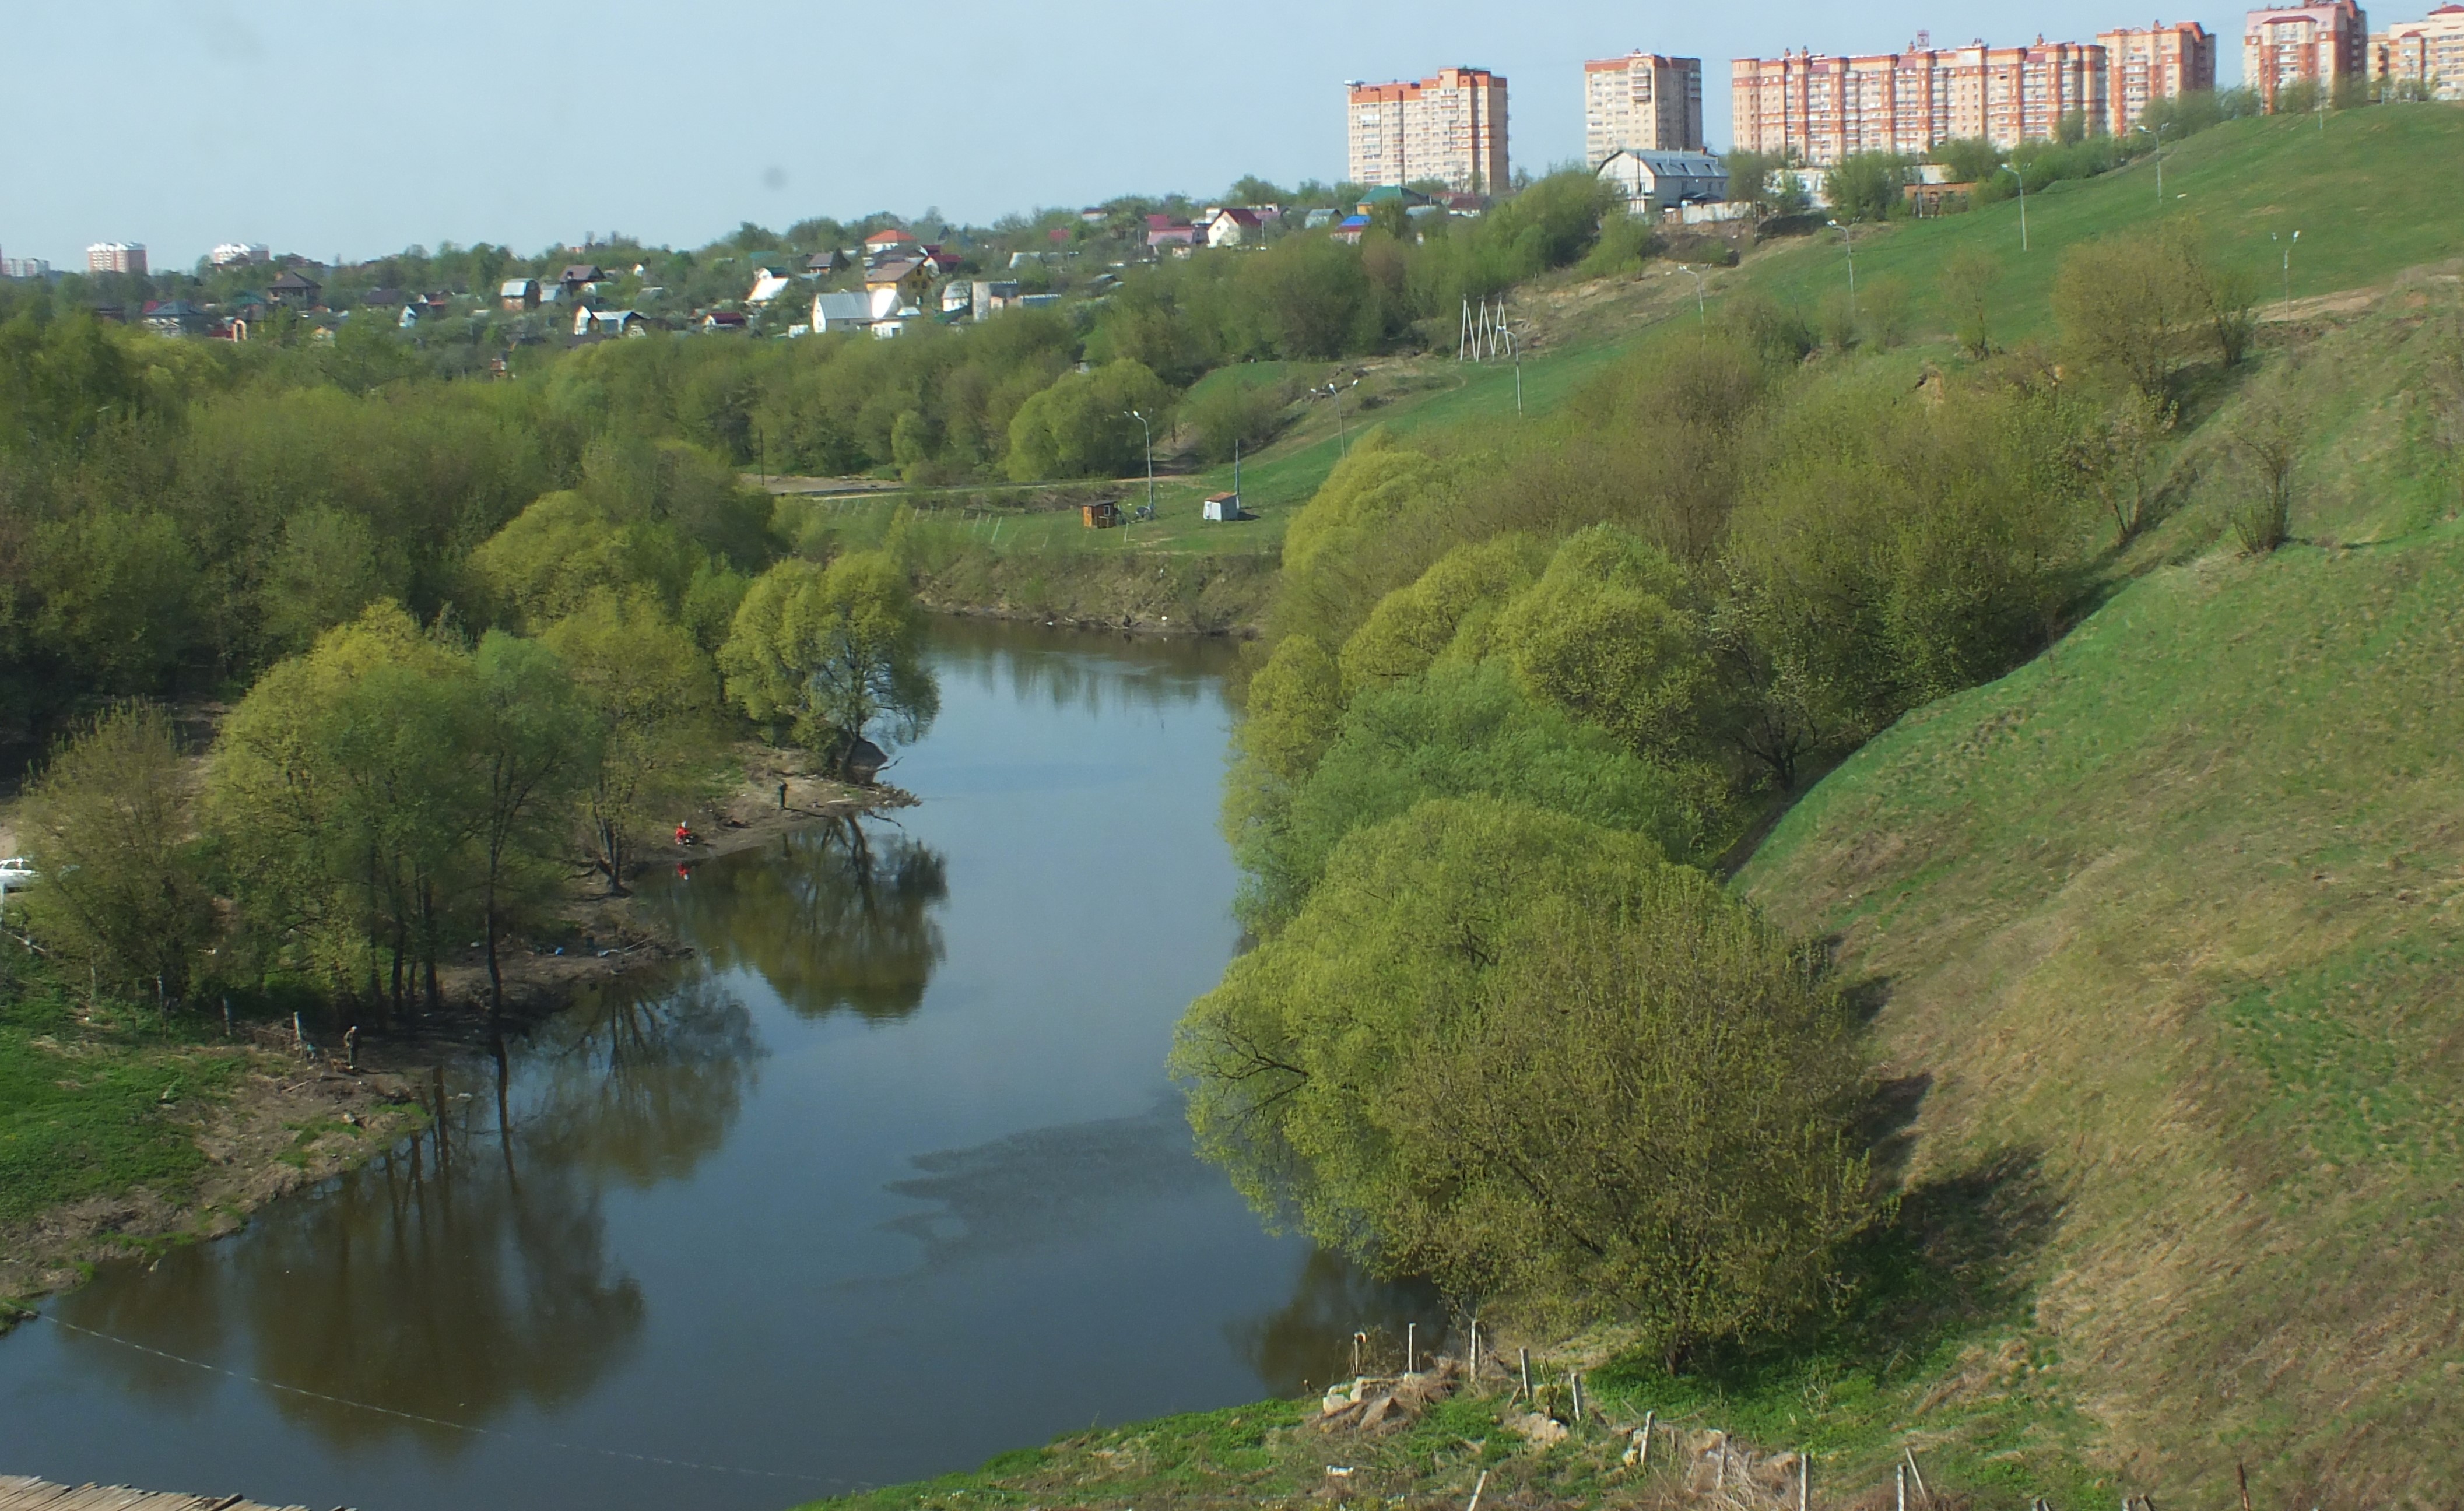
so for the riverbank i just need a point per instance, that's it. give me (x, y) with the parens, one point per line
(125, 1130)
(1146, 592)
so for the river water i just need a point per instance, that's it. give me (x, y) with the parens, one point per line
(886, 1179)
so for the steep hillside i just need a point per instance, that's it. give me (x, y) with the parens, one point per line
(2170, 919)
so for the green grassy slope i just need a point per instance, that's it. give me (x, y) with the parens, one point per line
(2376, 191)
(2171, 917)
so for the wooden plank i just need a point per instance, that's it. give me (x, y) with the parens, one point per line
(24, 1493)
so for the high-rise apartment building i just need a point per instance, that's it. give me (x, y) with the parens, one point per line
(116, 256)
(2430, 49)
(1641, 102)
(2311, 44)
(1820, 108)
(1450, 127)
(2154, 62)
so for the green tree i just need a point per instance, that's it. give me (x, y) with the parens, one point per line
(1412, 626)
(531, 745)
(654, 692)
(1602, 636)
(326, 571)
(1867, 185)
(1081, 425)
(1295, 707)
(110, 831)
(1969, 282)
(834, 653)
(1419, 1068)
(116, 597)
(341, 798)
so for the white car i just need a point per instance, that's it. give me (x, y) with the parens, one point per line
(16, 871)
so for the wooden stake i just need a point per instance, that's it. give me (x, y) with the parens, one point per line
(1645, 1462)
(1526, 1373)
(1476, 1490)
(1899, 1473)
(1574, 1379)
(1721, 1483)
(1918, 1474)
(1805, 1480)
(1357, 1339)
(1475, 1350)
(2241, 1472)
(1411, 1346)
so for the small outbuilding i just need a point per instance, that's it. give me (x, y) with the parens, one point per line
(1102, 515)
(864, 762)
(1223, 509)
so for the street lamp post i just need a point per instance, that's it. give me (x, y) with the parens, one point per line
(1702, 312)
(2288, 268)
(2158, 132)
(1139, 416)
(1848, 234)
(1342, 438)
(2022, 180)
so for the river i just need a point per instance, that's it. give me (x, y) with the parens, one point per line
(886, 1179)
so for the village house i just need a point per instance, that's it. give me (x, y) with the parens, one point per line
(519, 294)
(1653, 182)
(294, 291)
(766, 286)
(579, 276)
(823, 263)
(911, 277)
(1236, 225)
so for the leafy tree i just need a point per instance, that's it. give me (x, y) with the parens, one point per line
(2123, 306)
(1459, 731)
(327, 569)
(1081, 425)
(1970, 159)
(559, 551)
(1419, 1068)
(1295, 706)
(1602, 636)
(1969, 282)
(654, 692)
(1867, 185)
(833, 653)
(1412, 626)
(531, 746)
(1234, 415)
(110, 833)
(341, 798)
(115, 595)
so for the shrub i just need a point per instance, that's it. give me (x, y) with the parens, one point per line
(1417, 1071)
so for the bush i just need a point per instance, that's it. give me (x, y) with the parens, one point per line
(1229, 414)
(1867, 187)
(1417, 1071)
(107, 821)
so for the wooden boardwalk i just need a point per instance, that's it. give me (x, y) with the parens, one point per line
(33, 1495)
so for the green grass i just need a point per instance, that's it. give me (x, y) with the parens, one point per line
(2373, 194)
(87, 1099)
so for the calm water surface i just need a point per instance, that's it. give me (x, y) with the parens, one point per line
(887, 1181)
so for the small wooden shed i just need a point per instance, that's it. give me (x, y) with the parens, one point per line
(1099, 516)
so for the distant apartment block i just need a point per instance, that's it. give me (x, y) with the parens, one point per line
(24, 268)
(2144, 63)
(116, 256)
(2312, 44)
(239, 254)
(1450, 127)
(1641, 102)
(2430, 51)
(1823, 108)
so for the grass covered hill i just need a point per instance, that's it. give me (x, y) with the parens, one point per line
(2170, 916)
(2150, 904)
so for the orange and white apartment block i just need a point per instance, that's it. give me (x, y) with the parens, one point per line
(1819, 109)
(2146, 63)
(1449, 126)
(1641, 102)
(2310, 44)
(2430, 50)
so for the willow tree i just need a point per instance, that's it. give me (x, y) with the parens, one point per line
(834, 654)
(1521, 1055)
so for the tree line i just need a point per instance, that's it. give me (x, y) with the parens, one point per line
(1521, 694)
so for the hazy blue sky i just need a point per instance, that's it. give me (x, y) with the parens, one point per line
(361, 126)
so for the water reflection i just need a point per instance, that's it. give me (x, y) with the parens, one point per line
(840, 916)
(1308, 1340)
(645, 1075)
(1070, 673)
(466, 1270)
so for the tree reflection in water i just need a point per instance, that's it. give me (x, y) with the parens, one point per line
(1307, 1342)
(840, 918)
(465, 1271)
